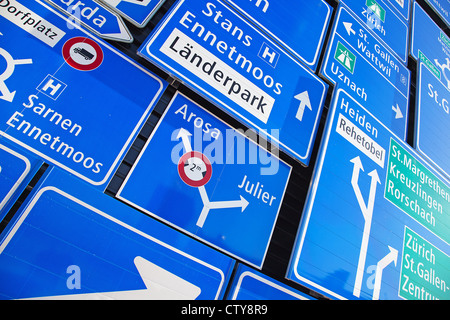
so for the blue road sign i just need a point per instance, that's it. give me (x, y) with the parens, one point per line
(74, 242)
(384, 23)
(16, 170)
(356, 62)
(442, 8)
(228, 190)
(430, 44)
(249, 284)
(376, 224)
(432, 119)
(95, 17)
(138, 12)
(298, 26)
(401, 7)
(64, 92)
(223, 57)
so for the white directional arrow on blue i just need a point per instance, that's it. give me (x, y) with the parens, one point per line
(304, 103)
(160, 285)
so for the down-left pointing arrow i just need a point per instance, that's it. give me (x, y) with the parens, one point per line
(97, 18)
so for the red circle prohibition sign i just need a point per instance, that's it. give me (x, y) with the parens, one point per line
(82, 53)
(194, 169)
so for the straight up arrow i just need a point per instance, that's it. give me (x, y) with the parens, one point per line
(367, 211)
(185, 137)
(304, 103)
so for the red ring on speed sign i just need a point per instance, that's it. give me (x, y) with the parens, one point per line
(82, 53)
(194, 169)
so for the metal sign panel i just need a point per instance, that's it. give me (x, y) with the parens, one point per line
(95, 17)
(138, 12)
(62, 95)
(223, 57)
(249, 284)
(442, 8)
(74, 242)
(228, 189)
(430, 44)
(377, 220)
(298, 26)
(356, 62)
(384, 23)
(402, 7)
(16, 170)
(433, 119)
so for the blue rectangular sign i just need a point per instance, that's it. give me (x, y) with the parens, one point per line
(384, 23)
(67, 96)
(249, 284)
(16, 170)
(228, 190)
(138, 12)
(442, 8)
(226, 59)
(73, 242)
(356, 62)
(433, 119)
(430, 44)
(298, 26)
(402, 7)
(373, 203)
(95, 17)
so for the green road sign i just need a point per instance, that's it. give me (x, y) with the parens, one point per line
(345, 57)
(376, 9)
(417, 191)
(425, 271)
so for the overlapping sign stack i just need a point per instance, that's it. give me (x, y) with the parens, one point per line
(224, 149)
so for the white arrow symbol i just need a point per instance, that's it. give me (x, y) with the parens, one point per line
(392, 256)
(160, 285)
(229, 204)
(6, 94)
(10, 66)
(398, 112)
(348, 27)
(304, 103)
(208, 205)
(367, 211)
(185, 137)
